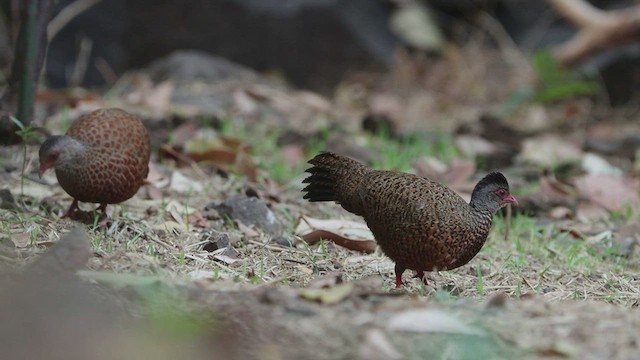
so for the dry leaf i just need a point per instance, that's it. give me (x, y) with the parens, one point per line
(21, 240)
(350, 234)
(171, 227)
(198, 220)
(472, 145)
(559, 349)
(182, 134)
(155, 177)
(549, 151)
(243, 103)
(588, 211)
(453, 175)
(182, 184)
(225, 258)
(247, 231)
(459, 171)
(610, 191)
(327, 296)
(560, 212)
(596, 164)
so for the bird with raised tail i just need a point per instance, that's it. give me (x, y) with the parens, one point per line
(418, 223)
(103, 158)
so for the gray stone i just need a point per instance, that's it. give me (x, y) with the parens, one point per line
(250, 211)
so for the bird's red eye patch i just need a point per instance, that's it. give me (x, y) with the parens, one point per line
(501, 192)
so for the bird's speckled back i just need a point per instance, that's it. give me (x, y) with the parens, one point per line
(117, 158)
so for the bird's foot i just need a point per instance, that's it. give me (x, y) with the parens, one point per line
(104, 219)
(399, 271)
(72, 210)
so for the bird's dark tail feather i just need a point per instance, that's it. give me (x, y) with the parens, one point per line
(335, 178)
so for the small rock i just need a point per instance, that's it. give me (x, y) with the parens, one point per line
(216, 240)
(7, 201)
(250, 211)
(68, 255)
(498, 300)
(284, 240)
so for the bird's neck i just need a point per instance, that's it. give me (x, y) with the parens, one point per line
(482, 217)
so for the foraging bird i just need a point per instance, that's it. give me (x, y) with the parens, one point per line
(418, 223)
(103, 158)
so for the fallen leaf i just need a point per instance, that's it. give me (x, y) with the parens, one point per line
(182, 184)
(21, 240)
(429, 167)
(559, 348)
(560, 212)
(225, 258)
(588, 211)
(171, 227)
(198, 220)
(459, 171)
(453, 175)
(155, 97)
(596, 164)
(548, 151)
(246, 230)
(415, 24)
(472, 145)
(304, 269)
(243, 103)
(327, 296)
(349, 234)
(183, 133)
(429, 320)
(610, 191)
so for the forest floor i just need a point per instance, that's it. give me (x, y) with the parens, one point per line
(212, 259)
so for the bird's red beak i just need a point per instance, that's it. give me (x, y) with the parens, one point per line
(43, 167)
(510, 199)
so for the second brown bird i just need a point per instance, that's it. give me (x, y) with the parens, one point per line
(103, 158)
(419, 223)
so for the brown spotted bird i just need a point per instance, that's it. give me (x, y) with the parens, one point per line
(103, 158)
(420, 224)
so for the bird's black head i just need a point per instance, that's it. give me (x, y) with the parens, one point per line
(492, 193)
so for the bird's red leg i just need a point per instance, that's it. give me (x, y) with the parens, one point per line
(103, 210)
(72, 209)
(399, 270)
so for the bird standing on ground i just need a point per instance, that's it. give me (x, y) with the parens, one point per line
(418, 223)
(103, 158)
